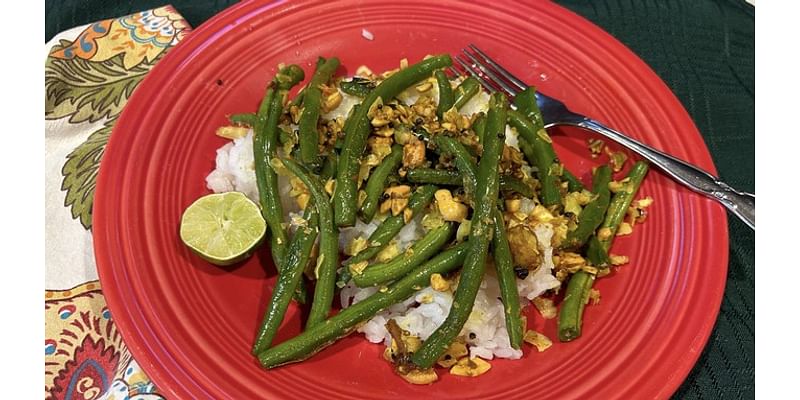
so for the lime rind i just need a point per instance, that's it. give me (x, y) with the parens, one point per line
(223, 228)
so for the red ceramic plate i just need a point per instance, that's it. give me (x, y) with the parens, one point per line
(190, 325)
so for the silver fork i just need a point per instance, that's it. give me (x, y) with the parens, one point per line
(494, 77)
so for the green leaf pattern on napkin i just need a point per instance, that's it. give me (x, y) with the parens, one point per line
(87, 91)
(91, 78)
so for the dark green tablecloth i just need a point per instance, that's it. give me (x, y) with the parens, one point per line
(705, 51)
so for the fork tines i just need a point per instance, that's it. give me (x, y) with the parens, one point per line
(488, 72)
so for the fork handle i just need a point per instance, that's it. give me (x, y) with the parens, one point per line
(741, 204)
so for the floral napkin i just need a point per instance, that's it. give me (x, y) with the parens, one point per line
(90, 73)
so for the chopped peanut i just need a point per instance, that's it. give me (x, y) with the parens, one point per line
(546, 307)
(329, 186)
(439, 284)
(332, 99)
(456, 350)
(424, 87)
(421, 377)
(302, 200)
(541, 214)
(358, 268)
(379, 146)
(407, 215)
(398, 205)
(364, 71)
(618, 260)
(232, 132)
(413, 154)
(397, 199)
(450, 209)
(389, 252)
(624, 229)
(513, 205)
(356, 246)
(470, 367)
(524, 247)
(594, 296)
(541, 342)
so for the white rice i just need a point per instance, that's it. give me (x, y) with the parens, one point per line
(425, 311)
(422, 313)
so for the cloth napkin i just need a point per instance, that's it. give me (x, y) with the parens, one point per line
(90, 73)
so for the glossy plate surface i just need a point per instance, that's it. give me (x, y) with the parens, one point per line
(190, 324)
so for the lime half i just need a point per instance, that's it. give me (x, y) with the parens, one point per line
(223, 228)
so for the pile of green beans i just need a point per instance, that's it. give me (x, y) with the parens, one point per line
(487, 189)
(465, 91)
(445, 177)
(580, 283)
(315, 339)
(422, 250)
(312, 105)
(264, 146)
(328, 259)
(592, 215)
(392, 225)
(472, 170)
(297, 256)
(446, 96)
(377, 181)
(356, 133)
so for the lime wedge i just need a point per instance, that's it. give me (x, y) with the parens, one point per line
(222, 228)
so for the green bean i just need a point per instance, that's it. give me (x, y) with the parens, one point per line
(312, 106)
(446, 98)
(467, 89)
(481, 230)
(377, 182)
(248, 119)
(435, 176)
(575, 299)
(463, 160)
(288, 76)
(290, 276)
(397, 267)
(592, 215)
(507, 280)
(297, 101)
(329, 167)
(573, 183)
(389, 228)
(357, 86)
(454, 178)
(543, 154)
(266, 130)
(596, 253)
(580, 283)
(322, 335)
(510, 183)
(622, 200)
(479, 126)
(527, 105)
(328, 259)
(355, 139)
(267, 180)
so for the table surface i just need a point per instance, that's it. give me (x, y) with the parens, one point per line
(705, 52)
